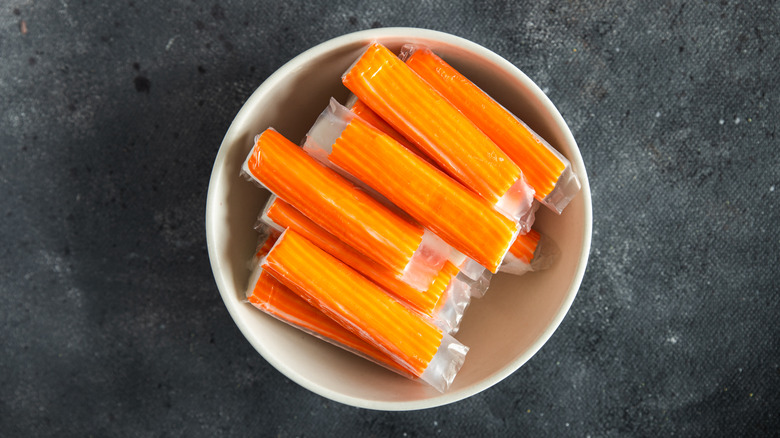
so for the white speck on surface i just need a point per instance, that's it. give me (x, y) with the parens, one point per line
(771, 188)
(737, 120)
(617, 49)
(435, 423)
(170, 42)
(546, 90)
(657, 114)
(672, 339)
(567, 424)
(721, 121)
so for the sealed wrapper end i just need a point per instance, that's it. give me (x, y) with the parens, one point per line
(544, 168)
(457, 299)
(565, 189)
(266, 238)
(366, 310)
(264, 220)
(344, 210)
(413, 108)
(430, 302)
(521, 254)
(519, 203)
(471, 268)
(273, 298)
(460, 217)
(445, 364)
(477, 286)
(532, 252)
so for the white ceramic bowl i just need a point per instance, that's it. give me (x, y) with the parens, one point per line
(503, 329)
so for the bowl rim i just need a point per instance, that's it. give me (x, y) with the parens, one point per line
(228, 295)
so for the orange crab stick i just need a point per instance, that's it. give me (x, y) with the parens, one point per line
(365, 309)
(529, 252)
(398, 95)
(414, 254)
(441, 301)
(524, 247)
(456, 214)
(265, 241)
(545, 169)
(272, 297)
(365, 113)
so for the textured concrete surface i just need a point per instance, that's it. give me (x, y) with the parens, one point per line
(111, 115)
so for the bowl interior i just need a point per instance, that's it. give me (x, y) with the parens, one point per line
(503, 329)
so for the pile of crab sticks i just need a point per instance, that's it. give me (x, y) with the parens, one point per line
(397, 210)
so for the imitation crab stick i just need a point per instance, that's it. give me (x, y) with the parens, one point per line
(398, 95)
(524, 247)
(265, 241)
(273, 298)
(530, 252)
(545, 169)
(366, 310)
(326, 127)
(414, 254)
(459, 216)
(470, 278)
(445, 300)
(361, 109)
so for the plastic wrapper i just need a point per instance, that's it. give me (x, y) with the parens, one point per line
(265, 240)
(445, 301)
(479, 281)
(545, 169)
(459, 292)
(413, 253)
(414, 109)
(275, 299)
(357, 304)
(530, 253)
(460, 217)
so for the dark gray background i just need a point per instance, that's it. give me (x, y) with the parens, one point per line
(110, 118)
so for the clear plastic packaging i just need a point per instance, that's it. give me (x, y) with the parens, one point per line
(471, 268)
(345, 141)
(445, 364)
(479, 286)
(345, 211)
(458, 299)
(530, 253)
(414, 109)
(266, 238)
(444, 301)
(360, 306)
(545, 169)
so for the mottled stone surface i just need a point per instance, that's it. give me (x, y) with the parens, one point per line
(111, 114)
